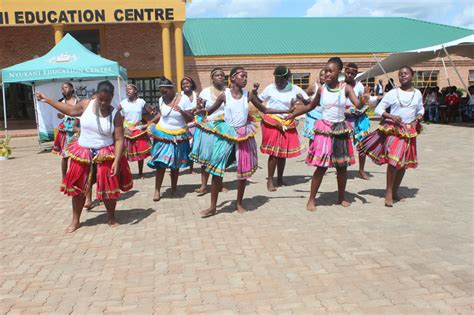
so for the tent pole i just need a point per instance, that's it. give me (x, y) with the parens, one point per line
(35, 105)
(455, 69)
(4, 110)
(446, 71)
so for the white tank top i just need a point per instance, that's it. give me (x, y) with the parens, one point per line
(333, 104)
(90, 136)
(132, 111)
(194, 101)
(236, 112)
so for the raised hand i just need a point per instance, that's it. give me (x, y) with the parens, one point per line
(255, 88)
(200, 103)
(41, 97)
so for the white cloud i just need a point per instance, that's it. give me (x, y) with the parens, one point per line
(232, 8)
(421, 9)
(466, 18)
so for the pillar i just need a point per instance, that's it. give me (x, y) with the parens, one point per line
(179, 52)
(58, 32)
(165, 38)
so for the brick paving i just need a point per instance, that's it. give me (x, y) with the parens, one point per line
(415, 258)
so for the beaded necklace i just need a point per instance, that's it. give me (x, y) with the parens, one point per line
(99, 126)
(409, 102)
(172, 104)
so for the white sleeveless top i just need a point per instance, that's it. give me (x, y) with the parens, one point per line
(193, 102)
(210, 99)
(90, 136)
(236, 112)
(358, 91)
(333, 104)
(132, 111)
(170, 118)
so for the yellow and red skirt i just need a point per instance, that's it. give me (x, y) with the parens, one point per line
(392, 144)
(279, 137)
(136, 141)
(87, 162)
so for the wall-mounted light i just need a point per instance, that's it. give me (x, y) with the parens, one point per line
(126, 54)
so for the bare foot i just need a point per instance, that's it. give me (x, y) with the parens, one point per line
(240, 209)
(224, 190)
(157, 196)
(388, 203)
(270, 186)
(208, 212)
(345, 203)
(201, 191)
(88, 206)
(141, 176)
(311, 205)
(364, 175)
(112, 223)
(72, 227)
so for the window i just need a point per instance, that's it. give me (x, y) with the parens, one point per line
(301, 79)
(147, 89)
(426, 79)
(226, 80)
(370, 82)
(89, 38)
(470, 80)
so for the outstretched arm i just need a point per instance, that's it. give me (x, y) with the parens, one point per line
(67, 109)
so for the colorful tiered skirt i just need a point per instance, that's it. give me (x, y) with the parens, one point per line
(360, 123)
(392, 144)
(309, 121)
(87, 162)
(170, 148)
(279, 137)
(332, 145)
(61, 139)
(218, 146)
(136, 141)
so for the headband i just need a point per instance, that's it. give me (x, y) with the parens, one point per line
(239, 71)
(133, 86)
(165, 85)
(216, 70)
(281, 75)
(352, 68)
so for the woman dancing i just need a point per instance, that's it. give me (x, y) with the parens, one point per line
(394, 141)
(332, 145)
(170, 136)
(97, 152)
(235, 140)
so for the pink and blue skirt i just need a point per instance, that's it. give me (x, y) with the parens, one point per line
(218, 146)
(309, 121)
(332, 145)
(64, 135)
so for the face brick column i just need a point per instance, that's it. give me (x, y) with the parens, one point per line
(165, 37)
(179, 52)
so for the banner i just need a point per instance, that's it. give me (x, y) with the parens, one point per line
(48, 116)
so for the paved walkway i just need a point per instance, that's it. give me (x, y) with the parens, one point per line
(415, 258)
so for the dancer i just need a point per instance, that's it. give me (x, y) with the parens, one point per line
(332, 145)
(170, 135)
(279, 135)
(394, 141)
(358, 118)
(188, 89)
(97, 152)
(137, 142)
(311, 117)
(235, 140)
(66, 128)
(204, 141)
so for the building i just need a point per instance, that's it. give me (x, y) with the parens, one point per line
(154, 38)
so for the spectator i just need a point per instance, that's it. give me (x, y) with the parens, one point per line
(452, 101)
(432, 104)
(470, 103)
(390, 85)
(379, 88)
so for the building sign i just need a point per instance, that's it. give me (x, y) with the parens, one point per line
(33, 12)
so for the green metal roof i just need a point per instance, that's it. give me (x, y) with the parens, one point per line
(282, 36)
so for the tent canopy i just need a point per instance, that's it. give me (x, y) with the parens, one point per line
(462, 47)
(68, 59)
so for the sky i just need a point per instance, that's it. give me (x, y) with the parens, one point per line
(450, 12)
